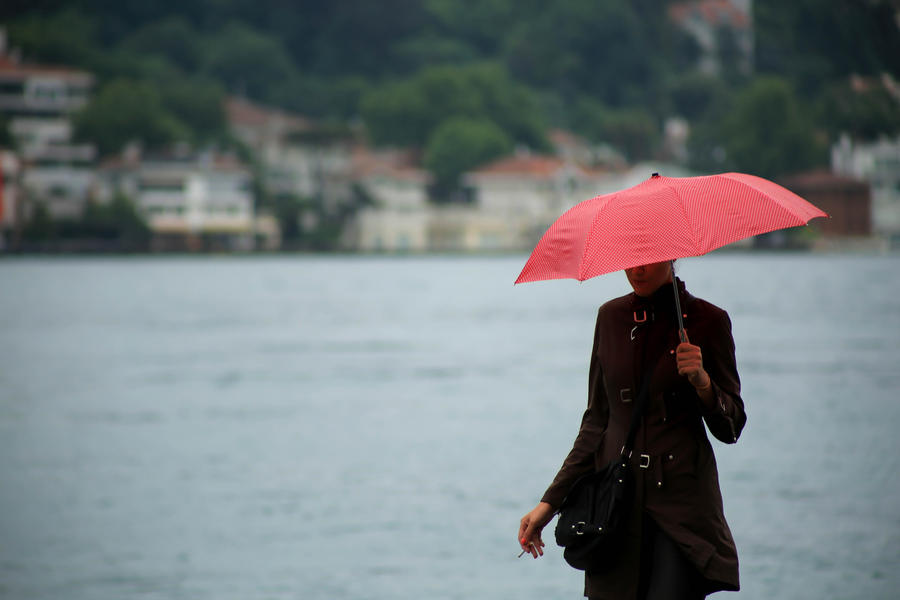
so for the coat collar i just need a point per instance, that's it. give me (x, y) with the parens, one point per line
(661, 302)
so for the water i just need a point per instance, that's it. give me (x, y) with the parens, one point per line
(374, 428)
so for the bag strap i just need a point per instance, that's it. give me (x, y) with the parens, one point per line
(643, 398)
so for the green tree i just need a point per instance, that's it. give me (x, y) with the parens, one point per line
(512, 106)
(73, 40)
(118, 220)
(633, 131)
(476, 23)
(695, 95)
(408, 112)
(428, 49)
(247, 61)
(172, 38)
(325, 98)
(609, 50)
(198, 103)
(864, 114)
(359, 37)
(123, 111)
(460, 144)
(40, 226)
(769, 134)
(813, 42)
(396, 114)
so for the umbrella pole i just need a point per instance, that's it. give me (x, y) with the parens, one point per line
(681, 334)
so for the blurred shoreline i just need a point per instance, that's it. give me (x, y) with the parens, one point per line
(862, 246)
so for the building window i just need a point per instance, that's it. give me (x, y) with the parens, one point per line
(160, 186)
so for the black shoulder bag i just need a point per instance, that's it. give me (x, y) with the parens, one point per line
(592, 516)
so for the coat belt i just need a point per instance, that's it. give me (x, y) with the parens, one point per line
(652, 465)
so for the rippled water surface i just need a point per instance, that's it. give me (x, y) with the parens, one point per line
(373, 428)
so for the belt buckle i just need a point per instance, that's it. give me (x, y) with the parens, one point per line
(645, 461)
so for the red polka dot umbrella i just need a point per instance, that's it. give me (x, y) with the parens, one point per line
(662, 218)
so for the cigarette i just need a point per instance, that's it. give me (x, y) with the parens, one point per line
(522, 553)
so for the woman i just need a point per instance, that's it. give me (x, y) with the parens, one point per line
(677, 544)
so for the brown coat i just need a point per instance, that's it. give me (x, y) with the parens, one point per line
(679, 488)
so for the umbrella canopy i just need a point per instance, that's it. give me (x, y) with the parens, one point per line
(663, 218)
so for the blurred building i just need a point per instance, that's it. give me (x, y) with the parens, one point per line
(37, 101)
(299, 158)
(507, 205)
(526, 193)
(846, 200)
(577, 150)
(396, 215)
(190, 202)
(723, 30)
(878, 164)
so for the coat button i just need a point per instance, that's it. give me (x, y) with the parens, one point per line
(671, 457)
(659, 484)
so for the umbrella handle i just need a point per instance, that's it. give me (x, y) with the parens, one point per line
(681, 334)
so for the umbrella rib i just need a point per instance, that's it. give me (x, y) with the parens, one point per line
(694, 234)
(584, 251)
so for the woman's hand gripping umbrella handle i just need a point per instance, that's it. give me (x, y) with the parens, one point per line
(689, 361)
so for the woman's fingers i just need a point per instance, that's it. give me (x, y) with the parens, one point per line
(530, 528)
(533, 547)
(688, 357)
(523, 527)
(689, 361)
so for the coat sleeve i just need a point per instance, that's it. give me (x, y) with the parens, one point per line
(726, 420)
(580, 460)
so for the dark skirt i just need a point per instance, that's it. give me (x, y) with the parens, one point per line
(665, 573)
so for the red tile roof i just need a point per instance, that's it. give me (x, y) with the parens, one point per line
(395, 164)
(714, 12)
(241, 111)
(532, 166)
(13, 69)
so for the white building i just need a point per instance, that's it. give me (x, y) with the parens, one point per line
(60, 176)
(39, 90)
(512, 202)
(37, 101)
(299, 158)
(398, 215)
(878, 163)
(525, 194)
(189, 199)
